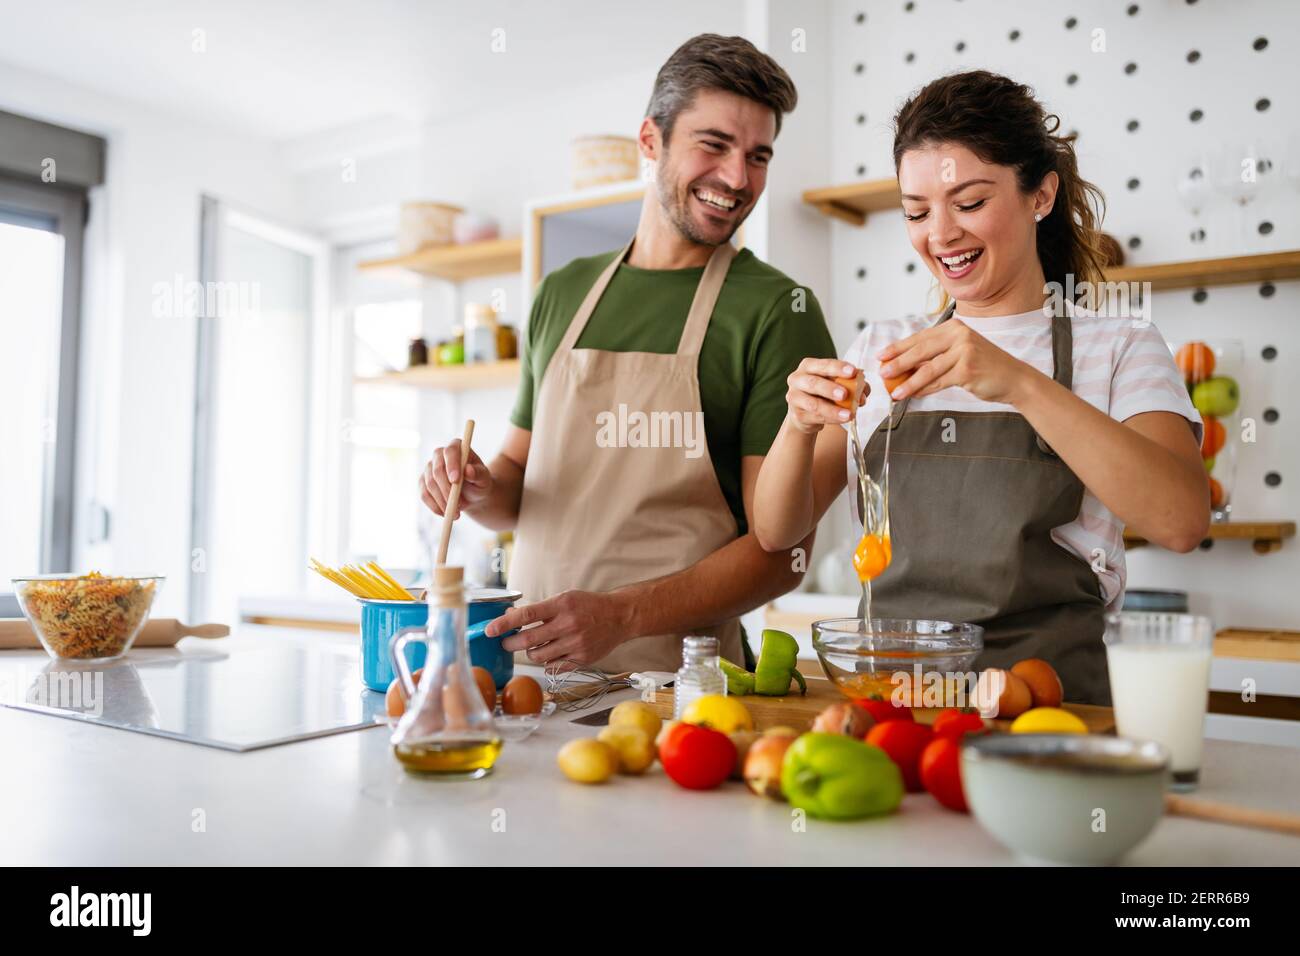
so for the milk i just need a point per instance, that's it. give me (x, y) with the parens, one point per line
(1159, 692)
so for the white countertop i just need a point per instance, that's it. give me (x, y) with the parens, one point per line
(80, 794)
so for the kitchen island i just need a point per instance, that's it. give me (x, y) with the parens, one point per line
(77, 794)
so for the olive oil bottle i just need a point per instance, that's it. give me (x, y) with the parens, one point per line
(447, 730)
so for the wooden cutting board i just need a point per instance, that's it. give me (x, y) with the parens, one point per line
(17, 634)
(798, 711)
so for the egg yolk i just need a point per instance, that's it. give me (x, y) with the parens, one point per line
(871, 556)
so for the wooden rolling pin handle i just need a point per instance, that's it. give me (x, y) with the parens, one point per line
(1232, 814)
(204, 630)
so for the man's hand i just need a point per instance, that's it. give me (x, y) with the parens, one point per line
(441, 473)
(581, 626)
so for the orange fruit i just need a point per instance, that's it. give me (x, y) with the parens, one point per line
(1044, 683)
(486, 686)
(1213, 435)
(1217, 496)
(872, 556)
(1196, 361)
(853, 388)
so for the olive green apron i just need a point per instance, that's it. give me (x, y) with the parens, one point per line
(974, 497)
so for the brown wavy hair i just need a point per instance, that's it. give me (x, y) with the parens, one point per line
(713, 62)
(1001, 122)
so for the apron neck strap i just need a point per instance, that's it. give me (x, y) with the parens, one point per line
(697, 321)
(706, 297)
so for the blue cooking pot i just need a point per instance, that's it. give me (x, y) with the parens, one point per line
(383, 621)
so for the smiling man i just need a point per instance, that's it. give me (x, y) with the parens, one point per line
(630, 538)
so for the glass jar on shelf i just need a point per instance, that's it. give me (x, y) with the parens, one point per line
(1211, 371)
(480, 333)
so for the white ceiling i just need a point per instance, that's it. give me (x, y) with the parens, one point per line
(283, 69)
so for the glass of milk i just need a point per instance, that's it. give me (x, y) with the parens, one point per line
(1160, 684)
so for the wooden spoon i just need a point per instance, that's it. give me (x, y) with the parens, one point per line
(453, 500)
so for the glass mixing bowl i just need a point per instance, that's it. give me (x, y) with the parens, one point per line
(89, 616)
(863, 663)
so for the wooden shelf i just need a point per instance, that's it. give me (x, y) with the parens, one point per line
(452, 378)
(1199, 273)
(456, 263)
(1258, 644)
(853, 202)
(1265, 536)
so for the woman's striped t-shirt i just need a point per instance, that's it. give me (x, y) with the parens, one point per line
(1122, 366)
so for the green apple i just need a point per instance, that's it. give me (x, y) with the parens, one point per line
(453, 353)
(1216, 396)
(1209, 464)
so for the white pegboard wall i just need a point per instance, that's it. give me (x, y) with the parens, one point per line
(1175, 80)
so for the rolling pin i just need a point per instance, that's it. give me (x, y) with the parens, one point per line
(16, 633)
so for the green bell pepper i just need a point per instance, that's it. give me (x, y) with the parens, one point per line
(776, 665)
(840, 778)
(739, 681)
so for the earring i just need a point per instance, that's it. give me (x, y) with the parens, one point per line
(1038, 217)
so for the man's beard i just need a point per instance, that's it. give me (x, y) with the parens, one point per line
(681, 219)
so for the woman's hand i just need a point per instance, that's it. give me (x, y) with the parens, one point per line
(952, 353)
(813, 392)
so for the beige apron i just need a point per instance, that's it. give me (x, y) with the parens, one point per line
(971, 524)
(597, 516)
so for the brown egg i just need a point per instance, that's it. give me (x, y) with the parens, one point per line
(522, 695)
(395, 699)
(1014, 699)
(487, 686)
(1044, 683)
(456, 704)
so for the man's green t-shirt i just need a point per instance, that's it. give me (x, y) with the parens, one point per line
(763, 325)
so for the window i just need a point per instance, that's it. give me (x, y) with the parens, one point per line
(40, 277)
(383, 439)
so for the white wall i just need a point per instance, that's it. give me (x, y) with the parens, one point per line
(138, 382)
(1230, 582)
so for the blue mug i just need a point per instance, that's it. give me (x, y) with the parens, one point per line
(383, 622)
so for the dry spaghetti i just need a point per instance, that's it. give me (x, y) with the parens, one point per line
(371, 581)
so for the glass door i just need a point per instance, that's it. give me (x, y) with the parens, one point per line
(264, 356)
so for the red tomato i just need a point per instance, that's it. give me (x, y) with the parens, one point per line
(941, 772)
(956, 723)
(883, 710)
(903, 740)
(697, 758)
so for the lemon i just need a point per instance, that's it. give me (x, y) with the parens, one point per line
(718, 712)
(1048, 720)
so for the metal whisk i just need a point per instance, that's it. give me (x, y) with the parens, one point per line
(575, 686)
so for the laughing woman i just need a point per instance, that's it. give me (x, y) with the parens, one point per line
(1026, 438)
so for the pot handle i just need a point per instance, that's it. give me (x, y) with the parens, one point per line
(396, 650)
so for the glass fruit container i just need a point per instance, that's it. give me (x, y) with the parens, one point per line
(86, 617)
(1211, 370)
(892, 658)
